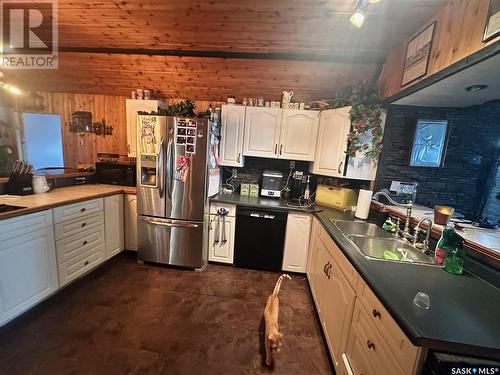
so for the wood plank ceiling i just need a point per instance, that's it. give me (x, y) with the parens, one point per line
(121, 46)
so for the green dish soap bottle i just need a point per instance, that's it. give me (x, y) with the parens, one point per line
(445, 242)
(454, 261)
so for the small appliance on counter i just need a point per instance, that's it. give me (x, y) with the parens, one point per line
(271, 184)
(336, 197)
(40, 184)
(115, 172)
(302, 186)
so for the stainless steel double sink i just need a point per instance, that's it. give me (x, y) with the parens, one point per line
(375, 243)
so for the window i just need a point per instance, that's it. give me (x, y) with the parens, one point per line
(42, 140)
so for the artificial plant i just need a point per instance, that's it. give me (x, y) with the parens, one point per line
(365, 118)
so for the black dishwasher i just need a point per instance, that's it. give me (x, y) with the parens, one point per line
(259, 238)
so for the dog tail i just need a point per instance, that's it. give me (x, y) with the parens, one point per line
(278, 283)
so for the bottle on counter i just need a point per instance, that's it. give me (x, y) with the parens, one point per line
(444, 243)
(454, 261)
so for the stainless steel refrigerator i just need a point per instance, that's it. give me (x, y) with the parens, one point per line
(176, 159)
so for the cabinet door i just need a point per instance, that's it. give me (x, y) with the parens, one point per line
(232, 128)
(262, 132)
(311, 253)
(299, 132)
(28, 271)
(113, 224)
(219, 251)
(298, 228)
(320, 279)
(337, 312)
(132, 107)
(330, 156)
(131, 222)
(366, 350)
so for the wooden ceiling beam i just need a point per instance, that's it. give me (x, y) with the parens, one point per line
(348, 56)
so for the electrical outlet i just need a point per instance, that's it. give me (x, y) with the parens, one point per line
(235, 173)
(292, 164)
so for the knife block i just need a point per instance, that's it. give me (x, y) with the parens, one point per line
(20, 184)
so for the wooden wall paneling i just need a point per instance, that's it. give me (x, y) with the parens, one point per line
(459, 32)
(82, 149)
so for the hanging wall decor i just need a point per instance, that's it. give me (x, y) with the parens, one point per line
(81, 122)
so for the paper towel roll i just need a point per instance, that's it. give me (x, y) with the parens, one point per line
(364, 203)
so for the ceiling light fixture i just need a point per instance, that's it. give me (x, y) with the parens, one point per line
(358, 17)
(12, 89)
(474, 88)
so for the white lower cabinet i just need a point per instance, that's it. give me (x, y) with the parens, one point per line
(28, 271)
(114, 224)
(221, 249)
(361, 335)
(221, 234)
(131, 222)
(298, 228)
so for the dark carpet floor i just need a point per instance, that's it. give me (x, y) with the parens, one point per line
(124, 318)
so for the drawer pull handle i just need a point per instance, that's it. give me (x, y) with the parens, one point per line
(376, 313)
(86, 262)
(84, 225)
(370, 344)
(85, 242)
(83, 209)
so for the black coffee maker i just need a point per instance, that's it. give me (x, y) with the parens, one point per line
(299, 182)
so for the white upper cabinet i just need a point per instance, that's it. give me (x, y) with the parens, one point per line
(299, 131)
(262, 132)
(132, 107)
(231, 146)
(334, 126)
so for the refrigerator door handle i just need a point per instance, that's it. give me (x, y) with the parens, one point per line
(161, 166)
(172, 223)
(169, 171)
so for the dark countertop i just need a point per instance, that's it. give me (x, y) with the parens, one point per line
(464, 313)
(258, 202)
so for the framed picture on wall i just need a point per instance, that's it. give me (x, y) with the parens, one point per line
(418, 53)
(492, 28)
(429, 143)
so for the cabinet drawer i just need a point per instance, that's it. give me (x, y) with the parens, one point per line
(404, 352)
(16, 226)
(230, 207)
(366, 350)
(71, 227)
(77, 210)
(80, 264)
(79, 243)
(347, 268)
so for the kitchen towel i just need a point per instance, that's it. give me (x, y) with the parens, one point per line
(364, 202)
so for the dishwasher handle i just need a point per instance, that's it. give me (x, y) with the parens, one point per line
(261, 214)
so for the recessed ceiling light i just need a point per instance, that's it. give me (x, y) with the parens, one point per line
(373, 1)
(474, 88)
(357, 19)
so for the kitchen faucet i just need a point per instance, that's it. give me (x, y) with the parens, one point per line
(427, 235)
(406, 236)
